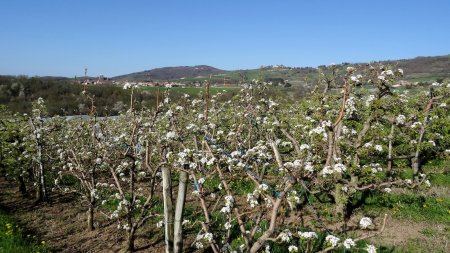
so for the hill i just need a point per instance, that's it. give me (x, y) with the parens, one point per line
(424, 68)
(171, 73)
(419, 69)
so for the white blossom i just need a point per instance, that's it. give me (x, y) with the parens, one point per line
(307, 235)
(126, 227)
(171, 135)
(401, 119)
(203, 160)
(365, 222)
(252, 200)
(350, 106)
(127, 85)
(199, 245)
(348, 243)
(339, 168)
(367, 145)
(211, 161)
(309, 167)
(333, 240)
(292, 248)
(228, 204)
(371, 249)
(387, 73)
(304, 146)
(350, 69)
(263, 187)
(416, 124)
(208, 237)
(355, 79)
(327, 171)
(285, 236)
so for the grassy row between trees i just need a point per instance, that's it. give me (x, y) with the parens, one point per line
(14, 239)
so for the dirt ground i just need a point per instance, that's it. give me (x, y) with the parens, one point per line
(409, 235)
(62, 224)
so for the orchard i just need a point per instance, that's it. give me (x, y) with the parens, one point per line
(258, 173)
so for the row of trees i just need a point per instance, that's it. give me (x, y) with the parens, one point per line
(63, 97)
(253, 166)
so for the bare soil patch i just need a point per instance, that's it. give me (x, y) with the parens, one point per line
(61, 223)
(412, 235)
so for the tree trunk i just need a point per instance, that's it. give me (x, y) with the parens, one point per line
(391, 137)
(416, 160)
(330, 160)
(272, 225)
(340, 202)
(42, 195)
(337, 135)
(22, 186)
(91, 213)
(91, 218)
(415, 165)
(130, 241)
(178, 230)
(92, 202)
(38, 197)
(168, 209)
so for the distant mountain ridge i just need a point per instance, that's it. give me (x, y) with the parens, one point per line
(422, 68)
(170, 73)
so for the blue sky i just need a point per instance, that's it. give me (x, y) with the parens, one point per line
(109, 37)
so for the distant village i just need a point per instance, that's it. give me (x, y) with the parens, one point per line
(101, 80)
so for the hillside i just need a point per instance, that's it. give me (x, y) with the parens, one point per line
(170, 73)
(424, 68)
(419, 69)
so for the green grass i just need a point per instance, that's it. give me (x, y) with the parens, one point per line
(439, 172)
(429, 232)
(437, 165)
(440, 179)
(192, 90)
(410, 206)
(424, 77)
(13, 239)
(419, 246)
